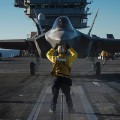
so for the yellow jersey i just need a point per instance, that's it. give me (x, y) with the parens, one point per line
(61, 62)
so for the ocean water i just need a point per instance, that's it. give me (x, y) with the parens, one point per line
(6, 53)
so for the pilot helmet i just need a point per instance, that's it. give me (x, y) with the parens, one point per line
(62, 22)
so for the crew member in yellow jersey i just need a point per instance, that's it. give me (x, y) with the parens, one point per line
(61, 72)
(103, 56)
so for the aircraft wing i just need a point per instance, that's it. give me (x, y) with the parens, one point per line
(38, 43)
(85, 45)
(20, 44)
(108, 44)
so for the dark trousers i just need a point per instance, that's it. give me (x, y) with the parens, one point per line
(64, 84)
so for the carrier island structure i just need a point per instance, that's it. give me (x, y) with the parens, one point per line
(76, 10)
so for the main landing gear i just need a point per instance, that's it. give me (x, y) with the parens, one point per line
(96, 67)
(34, 66)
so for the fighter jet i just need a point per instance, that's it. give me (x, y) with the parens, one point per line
(63, 32)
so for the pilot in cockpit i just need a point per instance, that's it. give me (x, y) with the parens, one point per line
(63, 23)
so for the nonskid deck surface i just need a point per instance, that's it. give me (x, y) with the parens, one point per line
(25, 97)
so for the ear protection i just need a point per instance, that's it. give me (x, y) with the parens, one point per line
(61, 49)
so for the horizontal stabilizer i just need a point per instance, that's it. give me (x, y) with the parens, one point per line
(95, 36)
(110, 36)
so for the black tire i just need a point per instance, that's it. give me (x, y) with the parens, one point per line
(98, 69)
(32, 68)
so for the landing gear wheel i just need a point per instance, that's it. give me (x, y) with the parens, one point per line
(32, 68)
(98, 69)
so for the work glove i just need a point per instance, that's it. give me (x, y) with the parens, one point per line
(67, 46)
(55, 47)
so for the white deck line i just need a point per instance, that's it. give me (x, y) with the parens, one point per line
(36, 109)
(88, 109)
(96, 83)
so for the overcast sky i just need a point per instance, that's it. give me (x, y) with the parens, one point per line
(15, 24)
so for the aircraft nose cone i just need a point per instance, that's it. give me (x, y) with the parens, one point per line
(61, 36)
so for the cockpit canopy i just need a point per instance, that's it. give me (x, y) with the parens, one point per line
(62, 23)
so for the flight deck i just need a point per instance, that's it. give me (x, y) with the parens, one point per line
(26, 97)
